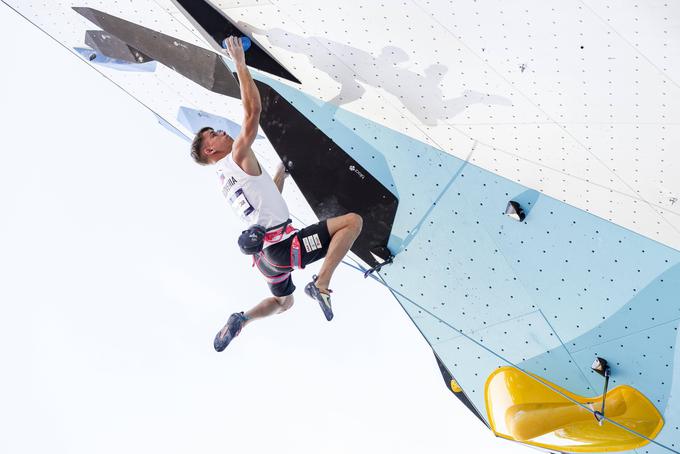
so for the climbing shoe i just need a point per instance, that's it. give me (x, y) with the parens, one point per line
(323, 298)
(230, 330)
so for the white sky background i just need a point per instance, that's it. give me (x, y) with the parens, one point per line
(119, 264)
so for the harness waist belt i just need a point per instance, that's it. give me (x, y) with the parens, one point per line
(277, 233)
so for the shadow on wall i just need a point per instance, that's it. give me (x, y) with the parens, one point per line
(420, 94)
(527, 200)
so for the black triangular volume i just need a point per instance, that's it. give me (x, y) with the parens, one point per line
(446, 375)
(331, 181)
(515, 211)
(202, 66)
(215, 25)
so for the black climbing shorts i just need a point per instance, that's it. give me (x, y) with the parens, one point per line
(278, 260)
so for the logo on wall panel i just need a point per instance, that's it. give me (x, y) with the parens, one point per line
(353, 168)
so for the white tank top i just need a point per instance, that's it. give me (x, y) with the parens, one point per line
(255, 199)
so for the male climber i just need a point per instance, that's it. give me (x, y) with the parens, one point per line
(256, 199)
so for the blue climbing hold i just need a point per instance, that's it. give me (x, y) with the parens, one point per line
(245, 42)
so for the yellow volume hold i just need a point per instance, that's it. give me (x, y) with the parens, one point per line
(525, 408)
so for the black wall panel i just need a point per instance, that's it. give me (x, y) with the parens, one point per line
(331, 180)
(218, 26)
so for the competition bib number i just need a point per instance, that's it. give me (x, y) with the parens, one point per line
(240, 204)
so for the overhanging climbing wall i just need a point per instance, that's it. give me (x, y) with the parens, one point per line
(567, 107)
(547, 295)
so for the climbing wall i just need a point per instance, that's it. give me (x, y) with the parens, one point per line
(546, 295)
(565, 107)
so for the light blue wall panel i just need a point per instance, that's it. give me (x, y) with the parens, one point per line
(547, 295)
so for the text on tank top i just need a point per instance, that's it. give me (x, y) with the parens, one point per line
(255, 199)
